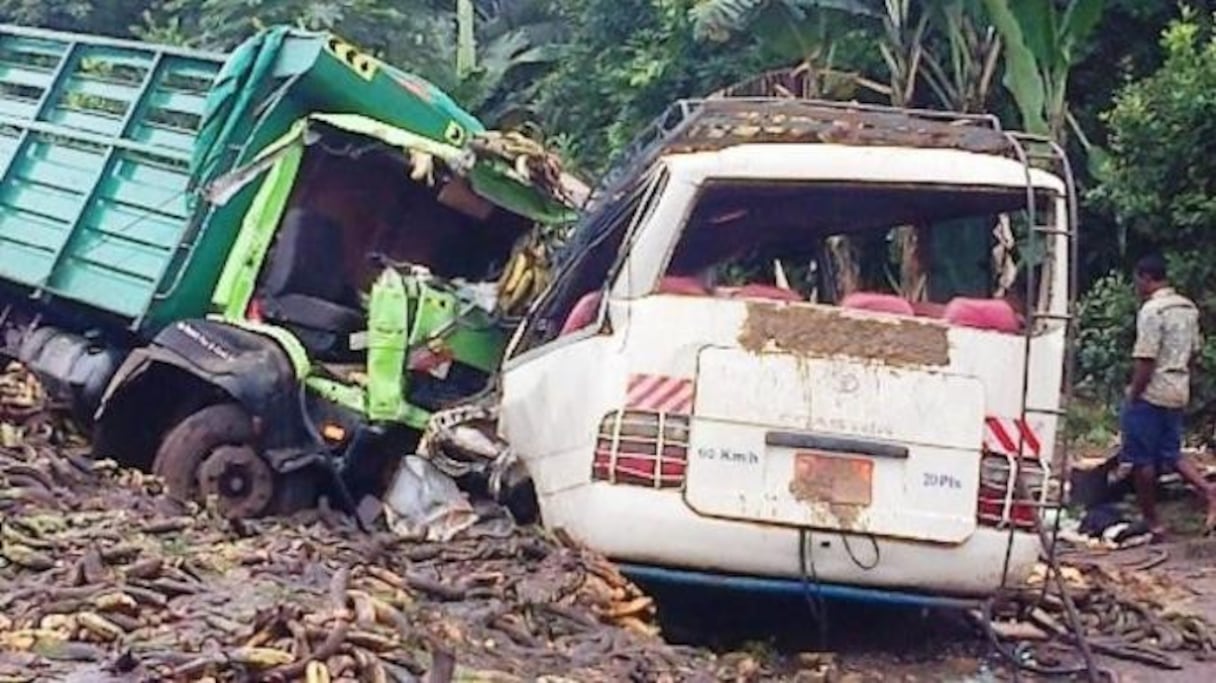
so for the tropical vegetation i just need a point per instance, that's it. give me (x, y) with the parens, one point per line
(1125, 85)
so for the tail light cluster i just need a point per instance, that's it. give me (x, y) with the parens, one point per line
(642, 448)
(1011, 491)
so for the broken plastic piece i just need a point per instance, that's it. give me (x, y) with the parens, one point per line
(424, 502)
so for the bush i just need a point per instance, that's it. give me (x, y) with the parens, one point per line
(1160, 182)
(1107, 321)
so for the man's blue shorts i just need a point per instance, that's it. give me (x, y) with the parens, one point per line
(1152, 435)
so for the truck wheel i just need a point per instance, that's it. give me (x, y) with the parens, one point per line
(211, 452)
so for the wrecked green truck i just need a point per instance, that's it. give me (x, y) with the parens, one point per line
(256, 275)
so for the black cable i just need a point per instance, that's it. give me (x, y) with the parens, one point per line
(814, 601)
(877, 552)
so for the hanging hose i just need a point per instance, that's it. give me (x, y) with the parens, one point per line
(814, 601)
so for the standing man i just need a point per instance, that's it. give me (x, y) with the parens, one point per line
(1167, 338)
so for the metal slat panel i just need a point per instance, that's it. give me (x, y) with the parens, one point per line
(14, 74)
(22, 263)
(136, 224)
(104, 288)
(110, 89)
(40, 199)
(186, 103)
(87, 121)
(160, 136)
(31, 230)
(17, 108)
(120, 255)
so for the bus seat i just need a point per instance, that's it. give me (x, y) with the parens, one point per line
(757, 291)
(880, 303)
(583, 313)
(928, 309)
(678, 284)
(983, 314)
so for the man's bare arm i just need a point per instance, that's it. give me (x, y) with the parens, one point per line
(1142, 372)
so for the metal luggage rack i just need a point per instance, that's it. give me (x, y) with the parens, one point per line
(718, 122)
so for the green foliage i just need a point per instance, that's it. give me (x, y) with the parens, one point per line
(1041, 43)
(1107, 321)
(626, 61)
(108, 17)
(1160, 178)
(492, 66)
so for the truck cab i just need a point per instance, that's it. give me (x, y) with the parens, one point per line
(256, 275)
(728, 377)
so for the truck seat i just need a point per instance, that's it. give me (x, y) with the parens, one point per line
(303, 286)
(879, 303)
(984, 314)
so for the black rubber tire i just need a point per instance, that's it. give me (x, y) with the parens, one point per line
(186, 445)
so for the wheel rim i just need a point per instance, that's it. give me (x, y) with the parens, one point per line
(240, 480)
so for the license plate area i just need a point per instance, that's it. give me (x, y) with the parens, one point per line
(821, 477)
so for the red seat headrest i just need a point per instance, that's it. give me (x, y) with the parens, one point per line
(928, 309)
(881, 303)
(984, 314)
(758, 291)
(678, 284)
(583, 313)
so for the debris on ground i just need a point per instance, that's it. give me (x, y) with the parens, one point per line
(100, 571)
(1126, 612)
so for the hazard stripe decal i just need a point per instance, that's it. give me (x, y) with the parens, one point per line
(660, 394)
(1001, 435)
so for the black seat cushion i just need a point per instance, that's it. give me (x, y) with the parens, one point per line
(304, 288)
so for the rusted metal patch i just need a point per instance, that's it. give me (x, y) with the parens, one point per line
(831, 479)
(820, 332)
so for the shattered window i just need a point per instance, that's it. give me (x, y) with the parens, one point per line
(824, 242)
(589, 262)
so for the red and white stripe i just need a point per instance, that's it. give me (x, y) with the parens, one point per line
(1002, 434)
(659, 394)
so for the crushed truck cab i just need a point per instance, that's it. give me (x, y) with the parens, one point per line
(728, 376)
(256, 275)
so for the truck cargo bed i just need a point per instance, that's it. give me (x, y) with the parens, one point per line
(96, 136)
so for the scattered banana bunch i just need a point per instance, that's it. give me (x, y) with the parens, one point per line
(529, 159)
(526, 276)
(99, 571)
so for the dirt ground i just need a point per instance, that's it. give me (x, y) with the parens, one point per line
(105, 578)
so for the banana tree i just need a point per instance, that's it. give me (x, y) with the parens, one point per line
(961, 76)
(1041, 44)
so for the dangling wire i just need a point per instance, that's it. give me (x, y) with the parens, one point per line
(814, 599)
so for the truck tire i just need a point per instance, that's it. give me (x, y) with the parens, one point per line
(212, 451)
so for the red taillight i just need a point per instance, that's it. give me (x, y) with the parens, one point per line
(641, 448)
(1009, 494)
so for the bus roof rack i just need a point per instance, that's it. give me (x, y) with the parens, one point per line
(717, 122)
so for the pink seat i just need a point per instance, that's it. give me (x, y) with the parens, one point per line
(880, 303)
(678, 284)
(928, 309)
(583, 313)
(757, 291)
(984, 314)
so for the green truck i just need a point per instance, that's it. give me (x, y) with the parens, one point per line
(256, 275)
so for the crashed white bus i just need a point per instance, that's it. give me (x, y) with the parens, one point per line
(725, 377)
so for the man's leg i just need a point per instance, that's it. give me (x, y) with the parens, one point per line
(1140, 439)
(1172, 443)
(1144, 478)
